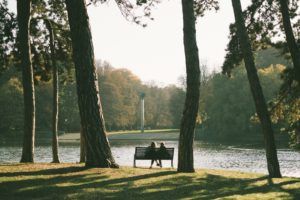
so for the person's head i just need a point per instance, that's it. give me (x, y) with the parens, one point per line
(162, 144)
(153, 144)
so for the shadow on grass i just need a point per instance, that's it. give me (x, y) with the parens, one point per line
(55, 171)
(155, 185)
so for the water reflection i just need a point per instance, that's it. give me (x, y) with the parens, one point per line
(206, 155)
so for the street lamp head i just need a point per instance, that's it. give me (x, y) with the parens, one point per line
(142, 95)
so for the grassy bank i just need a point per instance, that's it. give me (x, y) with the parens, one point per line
(145, 131)
(159, 134)
(73, 181)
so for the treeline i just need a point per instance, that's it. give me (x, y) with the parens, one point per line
(119, 91)
(226, 108)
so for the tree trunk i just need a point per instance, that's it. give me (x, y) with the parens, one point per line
(188, 121)
(290, 38)
(23, 10)
(82, 147)
(257, 93)
(55, 95)
(92, 121)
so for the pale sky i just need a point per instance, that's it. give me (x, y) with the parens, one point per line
(156, 52)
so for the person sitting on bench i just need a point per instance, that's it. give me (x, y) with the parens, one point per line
(162, 153)
(151, 153)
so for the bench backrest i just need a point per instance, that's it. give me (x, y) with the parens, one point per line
(140, 153)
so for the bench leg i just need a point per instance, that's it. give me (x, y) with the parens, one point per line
(134, 164)
(172, 163)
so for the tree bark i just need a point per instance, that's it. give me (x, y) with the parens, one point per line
(257, 93)
(23, 17)
(82, 147)
(188, 121)
(92, 121)
(55, 158)
(290, 38)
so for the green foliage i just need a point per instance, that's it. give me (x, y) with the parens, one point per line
(285, 111)
(44, 13)
(264, 25)
(7, 35)
(201, 6)
(227, 104)
(176, 104)
(138, 11)
(69, 120)
(270, 56)
(119, 91)
(11, 109)
(265, 20)
(234, 54)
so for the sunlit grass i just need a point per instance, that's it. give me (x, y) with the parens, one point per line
(73, 181)
(157, 134)
(145, 131)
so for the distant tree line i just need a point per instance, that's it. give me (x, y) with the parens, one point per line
(225, 109)
(119, 90)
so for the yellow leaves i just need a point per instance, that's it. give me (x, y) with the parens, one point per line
(278, 68)
(16, 83)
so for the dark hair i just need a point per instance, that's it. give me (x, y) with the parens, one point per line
(153, 144)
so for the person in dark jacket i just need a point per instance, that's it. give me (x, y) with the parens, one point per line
(162, 153)
(151, 153)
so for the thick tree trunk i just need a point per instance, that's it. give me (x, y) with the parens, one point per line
(257, 93)
(55, 158)
(92, 121)
(82, 147)
(23, 10)
(188, 121)
(290, 38)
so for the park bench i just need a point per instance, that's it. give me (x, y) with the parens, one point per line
(140, 154)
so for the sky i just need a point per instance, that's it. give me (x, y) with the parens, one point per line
(156, 53)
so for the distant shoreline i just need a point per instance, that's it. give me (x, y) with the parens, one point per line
(167, 135)
(155, 135)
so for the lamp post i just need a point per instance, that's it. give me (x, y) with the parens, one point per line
(142, 97)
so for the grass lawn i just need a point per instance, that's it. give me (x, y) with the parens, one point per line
(146, 131)
(73, 181)
(157, 134)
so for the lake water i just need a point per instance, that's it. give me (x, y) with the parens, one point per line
(206, 155)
